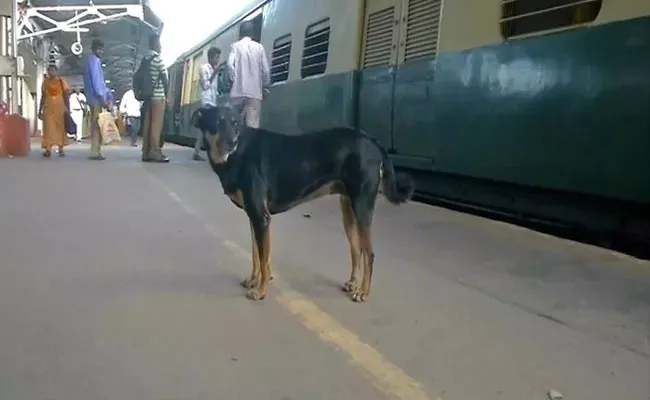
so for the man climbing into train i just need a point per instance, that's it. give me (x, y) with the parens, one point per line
(208, 83)
(248, 68)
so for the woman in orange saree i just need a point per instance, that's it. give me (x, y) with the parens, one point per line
(54, 103)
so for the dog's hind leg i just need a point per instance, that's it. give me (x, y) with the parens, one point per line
(363, 292)
(254, 279)
(364, 207)
(352, 232)
(270, 257)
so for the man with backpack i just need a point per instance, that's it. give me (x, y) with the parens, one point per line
(150, 85)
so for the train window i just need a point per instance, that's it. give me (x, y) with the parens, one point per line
(315, 52)
(280, 59)
(522, 18)
(422, 27)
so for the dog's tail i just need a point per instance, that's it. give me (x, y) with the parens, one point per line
(398, 187)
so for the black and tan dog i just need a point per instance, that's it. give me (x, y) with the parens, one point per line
(266, 173)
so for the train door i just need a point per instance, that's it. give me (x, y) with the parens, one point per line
(400, 41)
(177, 84)
(177, 100)
(414, 111)
(379, 54)
(258, 19)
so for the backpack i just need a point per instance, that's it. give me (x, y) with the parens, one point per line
(223, 79)
(142, 84)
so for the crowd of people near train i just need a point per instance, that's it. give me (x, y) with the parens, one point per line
(141, 111)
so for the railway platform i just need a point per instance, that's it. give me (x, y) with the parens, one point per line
(120, 280)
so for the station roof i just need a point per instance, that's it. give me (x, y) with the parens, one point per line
(123, 25)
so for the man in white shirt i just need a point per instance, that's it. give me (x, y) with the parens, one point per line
(209, 91)
(249, 73)
(130, 108)
(77, 103)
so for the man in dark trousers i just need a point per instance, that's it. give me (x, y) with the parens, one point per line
(97, 95)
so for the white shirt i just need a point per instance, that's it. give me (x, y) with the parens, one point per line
(130, 105)
(209, 90)
(249, 69)
(77, 101)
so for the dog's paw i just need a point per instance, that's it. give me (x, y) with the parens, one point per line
(249, 283)
(358, 296)
(350, 286)
(254, 294)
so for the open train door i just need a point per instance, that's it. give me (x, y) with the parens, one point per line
(379, 54)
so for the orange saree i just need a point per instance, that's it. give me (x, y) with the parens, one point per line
(54, 107)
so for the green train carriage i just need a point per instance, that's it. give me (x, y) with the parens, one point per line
(543, 111)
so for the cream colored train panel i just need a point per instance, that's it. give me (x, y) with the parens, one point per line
(467, 24)
(618, 10)
(282, 17)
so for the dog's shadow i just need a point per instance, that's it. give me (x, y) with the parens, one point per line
(216, 283)
(318, 286)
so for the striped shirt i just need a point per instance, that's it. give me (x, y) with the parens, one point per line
(157, 68)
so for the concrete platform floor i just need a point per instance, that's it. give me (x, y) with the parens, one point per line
(120, 281)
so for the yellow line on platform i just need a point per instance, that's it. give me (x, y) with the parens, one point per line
(389, 379)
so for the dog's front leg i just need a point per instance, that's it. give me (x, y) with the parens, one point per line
(253, 280)
(260, 221)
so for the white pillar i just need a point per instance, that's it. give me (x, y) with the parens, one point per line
(14, 50)
(40, 70)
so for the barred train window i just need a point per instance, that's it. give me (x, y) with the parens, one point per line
(525, 17)
(280, 59)
(315, 52)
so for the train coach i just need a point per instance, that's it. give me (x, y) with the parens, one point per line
(539, 109)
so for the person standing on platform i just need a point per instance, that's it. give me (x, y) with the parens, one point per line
(54, 104)
(97, 96)
(248, 68)
(209, 91)
(154, 107)
(77, 106)
(130, 108)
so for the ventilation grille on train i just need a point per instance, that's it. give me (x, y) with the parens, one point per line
(422, 27)
(280, 59)
(379, 38)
